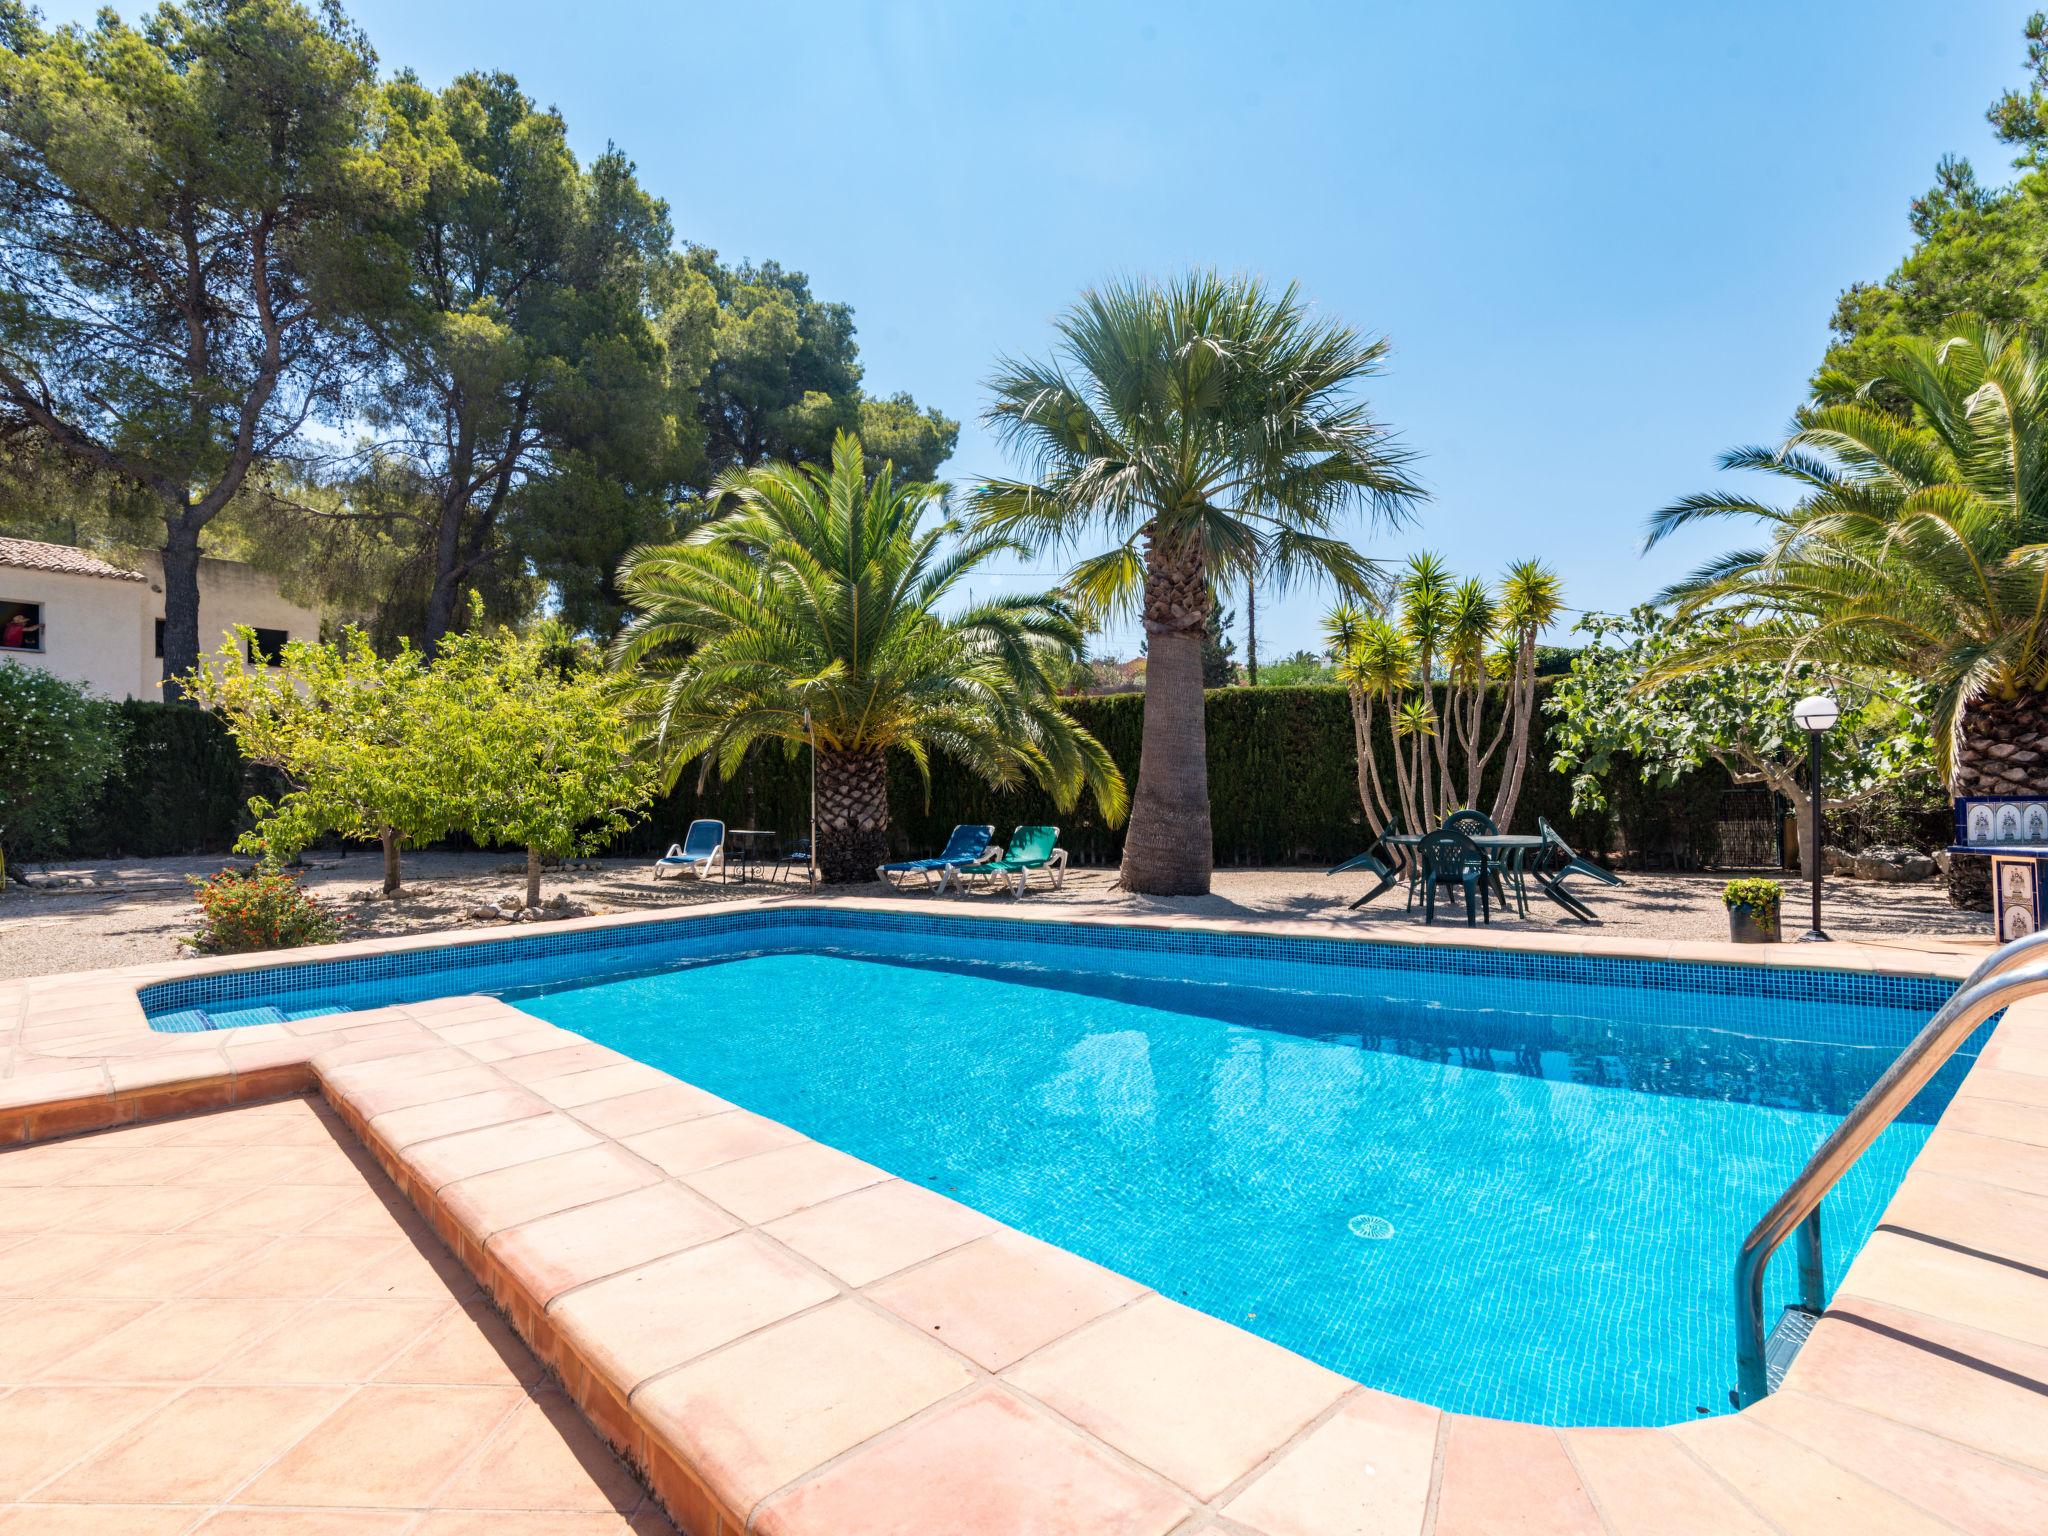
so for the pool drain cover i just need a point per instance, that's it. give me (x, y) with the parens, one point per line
(1373, 1227)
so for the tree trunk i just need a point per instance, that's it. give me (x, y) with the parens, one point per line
(2001, 749)
(1251, 632)
(181, 603)
(1167, 849)
(389, 839)
(533, 877)
(853, 815)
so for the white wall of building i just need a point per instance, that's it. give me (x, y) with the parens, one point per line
(101, 631)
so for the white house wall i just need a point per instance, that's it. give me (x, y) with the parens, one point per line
(102, 632)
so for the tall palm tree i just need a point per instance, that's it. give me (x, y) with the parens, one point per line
(1918, 544)
(814, 595)
(1206, 430)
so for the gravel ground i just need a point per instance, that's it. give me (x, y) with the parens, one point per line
(138, 910)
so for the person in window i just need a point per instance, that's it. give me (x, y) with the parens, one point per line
(17, 633)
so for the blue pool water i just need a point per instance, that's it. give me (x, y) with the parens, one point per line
(1501, 1184)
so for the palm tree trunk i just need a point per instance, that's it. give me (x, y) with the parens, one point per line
(1251, 631)
(1168, 850)
(853, 815)
(2002, 749)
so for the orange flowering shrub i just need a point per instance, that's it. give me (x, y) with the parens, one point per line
(261, 909)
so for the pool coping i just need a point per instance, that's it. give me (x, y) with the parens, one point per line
(706, 1283)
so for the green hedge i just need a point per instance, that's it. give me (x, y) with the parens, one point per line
(1282, 782)
(179, 789)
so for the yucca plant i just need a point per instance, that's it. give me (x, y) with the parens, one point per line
(1917, 546)
(1202, 433)
(1430, 657)
(815, 600)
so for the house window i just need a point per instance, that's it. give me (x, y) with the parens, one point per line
(267, 646)
(159, 639)
(21, 626)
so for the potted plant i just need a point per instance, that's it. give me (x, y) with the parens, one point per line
(1753, 910)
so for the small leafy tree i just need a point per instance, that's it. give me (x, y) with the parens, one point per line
(1621, 697)
(548, 758)
(1429, 659)
(58, 744)
(355, 734)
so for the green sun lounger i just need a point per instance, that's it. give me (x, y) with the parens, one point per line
(1032, 851)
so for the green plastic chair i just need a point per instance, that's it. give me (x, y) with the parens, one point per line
(1032, 850)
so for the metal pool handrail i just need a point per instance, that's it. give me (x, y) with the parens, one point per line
(1988, 989)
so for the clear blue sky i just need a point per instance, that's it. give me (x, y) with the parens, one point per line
(1605, 238)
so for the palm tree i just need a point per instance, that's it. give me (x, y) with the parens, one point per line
(1206, 430)
(814, 593)
(1918, 545)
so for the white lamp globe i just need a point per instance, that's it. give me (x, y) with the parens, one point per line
(1816, 712)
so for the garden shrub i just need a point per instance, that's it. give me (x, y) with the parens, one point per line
(58, 743)
(259, 909)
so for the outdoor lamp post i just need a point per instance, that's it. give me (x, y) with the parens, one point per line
(811, 732)
(1815, 713)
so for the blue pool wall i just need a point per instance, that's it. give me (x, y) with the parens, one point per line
(1851, 1007)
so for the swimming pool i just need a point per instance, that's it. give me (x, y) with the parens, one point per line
(1500, 1183)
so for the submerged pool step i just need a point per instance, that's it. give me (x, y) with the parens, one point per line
(192, 1021)
(1794, 1327)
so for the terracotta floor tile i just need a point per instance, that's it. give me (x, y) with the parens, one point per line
(705, 1142)
(399, 1087)
(273, 1211)
(36, 1335)
(303, 1522)
(648, 1523)
(1646, 1485)
(876, 1231)
(761, 1188)
(389, 1447)
(650, 1110)
(491, 1202)
(470, 1346)
(291, 1122)
(583, 1056)
(1792, 1486)
(502, 1105)
(48, 1207)
(44, 1429)
(413, 1268)
(2010, 1164)
(2003, 1223)
(366, 1213)
(445, 1159)
(1000, 1297)
(1193, 1398)
(1975, 1493)
(149, 1210)
(1979, 1388)
(334, 1342)
(1500, 1477)
(180, 1340)
(662, 1314)
(299, 1267)
(1017, 1472)
(545, 1458)
(753, 1417)
(1364, 1472)
(1973, 1291)
(197, 1448)
(53, 1162)
(600, 1083)
(42, 1267)
(165, 1266)
(103, 1520)
(553, 1253)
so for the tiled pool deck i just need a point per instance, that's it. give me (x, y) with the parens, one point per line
(787, 1340)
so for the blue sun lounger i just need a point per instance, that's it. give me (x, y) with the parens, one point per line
(702, 847)
(967, 846)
